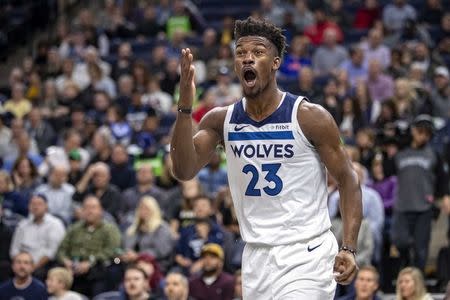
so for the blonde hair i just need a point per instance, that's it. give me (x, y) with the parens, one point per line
(63, 275)
(419, 290)
(152, 223)
(5, 176)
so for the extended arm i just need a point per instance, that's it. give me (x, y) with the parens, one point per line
(190, 153)
(321, 130)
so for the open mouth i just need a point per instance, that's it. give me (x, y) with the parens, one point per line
(250, 77)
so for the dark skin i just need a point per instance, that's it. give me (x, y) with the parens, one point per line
(190, 154)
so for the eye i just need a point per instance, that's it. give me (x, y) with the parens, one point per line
(259, 52)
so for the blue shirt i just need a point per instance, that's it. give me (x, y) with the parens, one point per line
(34, 291)
(291, 65)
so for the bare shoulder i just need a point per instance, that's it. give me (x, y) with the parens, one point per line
(213, 120)
(317, 123)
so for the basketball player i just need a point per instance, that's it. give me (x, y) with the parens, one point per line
(278, 147)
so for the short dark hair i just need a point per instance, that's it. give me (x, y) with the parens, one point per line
(263, 28)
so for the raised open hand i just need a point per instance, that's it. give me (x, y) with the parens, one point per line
(187, 83)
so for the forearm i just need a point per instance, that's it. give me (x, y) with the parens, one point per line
(42, 262)
(351, 210)
(182, 149)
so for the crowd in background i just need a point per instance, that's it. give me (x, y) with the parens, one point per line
(87, 197)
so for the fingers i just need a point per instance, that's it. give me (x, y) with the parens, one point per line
(345, 268)
(187, 69)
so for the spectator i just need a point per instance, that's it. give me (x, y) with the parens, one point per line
(272, 11)
(21, 145)
(337, 14)
(176, 287)
(40, 130)
(374, 49)
(405, 99)
(296, 58)
(366, 285)
(303, 17)
(213, 283)
(149, 234)
(354, 66)
(18, 105)
(12, 202)
(396, 14)
(59, 281)
(213, 177)
(440, 93)
(305, 85)
(25, 177)
(413, 208)
(144, 187)
(209, 45)
(89, 247)
(351, 119)
(151, 267)
(328, 56)
(381, 86)
(96, 181)
(178, 20)
(365, 241)
(58, 193)
(432, 13)
(155, 98)
(410, 285)
(135, 283)
(23, 285)
(39, 235)
(373, 210)
(316, 32)
(123, 175)
(225, 91)
(224, 58)
(367, 15)
(148, 27)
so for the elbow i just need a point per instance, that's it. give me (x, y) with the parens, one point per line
(182, 174)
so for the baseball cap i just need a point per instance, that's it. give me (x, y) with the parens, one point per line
(441, 71)
(214, 249)
(75, 155)
(42, 196)
(424, 121)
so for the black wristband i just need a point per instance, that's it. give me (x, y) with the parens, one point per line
(187, 111)
(351, 250)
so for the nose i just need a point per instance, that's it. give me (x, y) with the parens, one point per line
(248, 59)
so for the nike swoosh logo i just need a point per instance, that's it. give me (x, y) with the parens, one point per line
(313, 248)
(239, 128)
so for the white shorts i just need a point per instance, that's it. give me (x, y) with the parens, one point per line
(294, 271)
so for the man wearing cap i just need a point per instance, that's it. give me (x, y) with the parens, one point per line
(440, 94)
(39, 235)
(422, 180)
(213, 283)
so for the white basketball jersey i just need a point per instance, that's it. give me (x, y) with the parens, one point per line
(277, 180)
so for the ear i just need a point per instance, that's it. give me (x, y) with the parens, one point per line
(276, 63)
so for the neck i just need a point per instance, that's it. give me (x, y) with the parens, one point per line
(38, 220)
(416, 145)
(144, 187)
(142, 296)
(363, 298)
(261, 106)
(21, 282)
(60, 293)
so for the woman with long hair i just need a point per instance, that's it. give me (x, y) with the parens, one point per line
(149, 233)
(411, 285)
(25, 177)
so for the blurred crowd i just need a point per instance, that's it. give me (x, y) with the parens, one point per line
(88, 201)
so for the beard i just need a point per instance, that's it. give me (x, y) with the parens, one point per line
(210, 271)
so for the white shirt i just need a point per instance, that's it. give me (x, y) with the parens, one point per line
(59, 200)
(38, 239)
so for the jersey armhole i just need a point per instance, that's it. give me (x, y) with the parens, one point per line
(296, 122)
